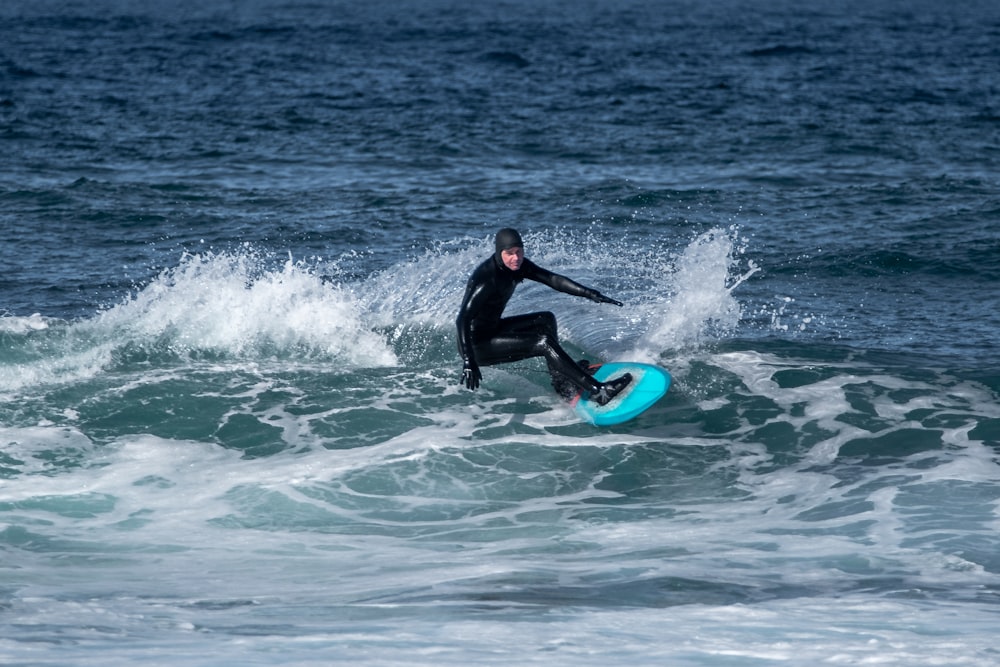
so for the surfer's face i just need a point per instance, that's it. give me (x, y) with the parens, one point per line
(513, 257)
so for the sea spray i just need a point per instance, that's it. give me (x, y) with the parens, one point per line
(235, 304)
(674, 298)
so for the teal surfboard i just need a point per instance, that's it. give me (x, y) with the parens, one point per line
(649, 384)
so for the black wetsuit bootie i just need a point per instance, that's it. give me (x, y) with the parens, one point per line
(610, 389)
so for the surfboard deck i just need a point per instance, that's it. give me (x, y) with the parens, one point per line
(649, 384)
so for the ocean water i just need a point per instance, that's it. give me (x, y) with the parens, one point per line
(235, 237)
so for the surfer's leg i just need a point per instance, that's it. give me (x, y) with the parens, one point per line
(563, 385)
(534, 335)
(562, 368)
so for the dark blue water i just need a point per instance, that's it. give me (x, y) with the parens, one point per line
(235, 237)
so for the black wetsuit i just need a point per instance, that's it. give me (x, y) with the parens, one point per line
(485, 337)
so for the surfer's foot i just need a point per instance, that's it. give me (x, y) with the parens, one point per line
(610, 389)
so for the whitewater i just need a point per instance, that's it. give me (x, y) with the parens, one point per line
(235, 240)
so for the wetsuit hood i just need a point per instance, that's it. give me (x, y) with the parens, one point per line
(506, 239)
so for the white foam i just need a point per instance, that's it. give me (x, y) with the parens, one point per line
(19, 325)
(71, 362)
(291, 540)
(234, 304)
(230, 304)
(247, 305)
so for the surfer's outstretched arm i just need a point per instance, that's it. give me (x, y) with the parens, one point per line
(567, 285)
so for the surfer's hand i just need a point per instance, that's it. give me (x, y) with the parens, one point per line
(597, 297)
(471, 377)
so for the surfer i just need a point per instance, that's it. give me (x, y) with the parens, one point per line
(485, 337)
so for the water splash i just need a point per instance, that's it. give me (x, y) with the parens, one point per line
(218, 305)
(248, 304)
(674, 299)
(233, 304)
(695, 302)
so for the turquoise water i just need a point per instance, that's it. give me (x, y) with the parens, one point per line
(236, 237)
